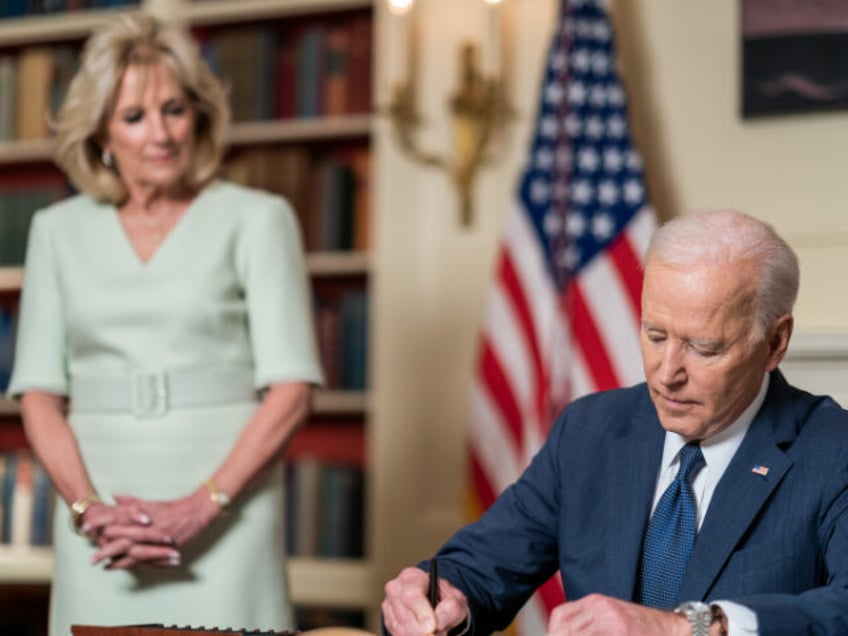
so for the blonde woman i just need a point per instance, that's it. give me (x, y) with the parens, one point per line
(165, 351)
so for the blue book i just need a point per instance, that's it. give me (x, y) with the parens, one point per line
(309, 72)
(8, 494)
(341, 520)
(354, 319)
(7, 346)
(15, 8)
(42, 507)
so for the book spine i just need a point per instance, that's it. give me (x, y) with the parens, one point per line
(21, 508)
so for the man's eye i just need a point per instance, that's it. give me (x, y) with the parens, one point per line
(706, 352)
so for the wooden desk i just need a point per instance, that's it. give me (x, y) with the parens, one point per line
(173, 630)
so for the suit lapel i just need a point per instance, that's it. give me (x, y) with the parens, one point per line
(634, 461)
(740, 493)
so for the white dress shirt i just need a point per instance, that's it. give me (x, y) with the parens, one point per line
(718, 451)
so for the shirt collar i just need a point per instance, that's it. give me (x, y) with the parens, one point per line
(719, 449)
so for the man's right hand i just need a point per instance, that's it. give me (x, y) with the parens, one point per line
(407, 610)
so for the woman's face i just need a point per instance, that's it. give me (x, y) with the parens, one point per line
(150, 131)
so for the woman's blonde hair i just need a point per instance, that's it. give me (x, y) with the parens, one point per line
(135, 38)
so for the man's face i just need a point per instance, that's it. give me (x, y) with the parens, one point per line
(704, 361)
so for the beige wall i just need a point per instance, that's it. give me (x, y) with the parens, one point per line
(681, 60)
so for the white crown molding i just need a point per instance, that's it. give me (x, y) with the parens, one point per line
(818, 346)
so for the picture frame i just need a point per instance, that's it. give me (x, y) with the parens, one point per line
(794, 56)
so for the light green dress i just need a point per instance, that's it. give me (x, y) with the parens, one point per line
(227, 287)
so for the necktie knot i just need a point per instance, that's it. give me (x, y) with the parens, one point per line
(691, 461)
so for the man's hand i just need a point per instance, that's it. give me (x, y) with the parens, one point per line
(604, 616)
(407, 611)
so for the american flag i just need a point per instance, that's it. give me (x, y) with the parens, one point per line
(562, 317)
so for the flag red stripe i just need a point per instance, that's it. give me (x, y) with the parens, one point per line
(509, 279)
(482, 486)
(629, 269)
(588, 339)
(500, 391)
(551, 593)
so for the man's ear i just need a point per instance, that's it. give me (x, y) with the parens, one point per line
(777, 340)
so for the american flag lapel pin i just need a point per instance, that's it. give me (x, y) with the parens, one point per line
(760, 470)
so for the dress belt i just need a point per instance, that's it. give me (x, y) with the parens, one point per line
(152, 393)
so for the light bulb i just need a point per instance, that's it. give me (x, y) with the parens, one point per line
(399, 7)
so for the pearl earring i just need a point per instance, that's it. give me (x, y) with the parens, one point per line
(106, 158)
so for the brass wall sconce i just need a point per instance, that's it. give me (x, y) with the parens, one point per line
(479, 106)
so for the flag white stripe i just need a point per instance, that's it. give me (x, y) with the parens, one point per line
(612, 312)
(493, 446)
(640, 229)
(581, 380)
(533, 618)
(522, 244)
(506, 338)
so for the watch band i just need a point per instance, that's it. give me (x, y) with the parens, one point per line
(217, 496)
(78, 509)
(699, 615)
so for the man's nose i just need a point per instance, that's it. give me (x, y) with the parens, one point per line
(672, 368)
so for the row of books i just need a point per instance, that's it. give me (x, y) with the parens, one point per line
(324, 509)
(26, 500)
(302, 68)
(33, 82)
(331, 194)
(19, 8)
(341, 325)
(17, 205)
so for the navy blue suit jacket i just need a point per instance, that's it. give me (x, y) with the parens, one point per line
(777, 543)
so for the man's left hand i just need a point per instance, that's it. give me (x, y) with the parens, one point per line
(605, 616)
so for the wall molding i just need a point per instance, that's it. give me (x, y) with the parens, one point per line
(818, 363)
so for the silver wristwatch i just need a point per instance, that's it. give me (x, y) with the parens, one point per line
(699, 615)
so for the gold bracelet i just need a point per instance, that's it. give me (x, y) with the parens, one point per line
(78, 509)
(217, 496)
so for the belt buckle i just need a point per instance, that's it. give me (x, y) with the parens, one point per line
(148, 393)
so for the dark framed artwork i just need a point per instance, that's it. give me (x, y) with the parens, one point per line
(794, 56)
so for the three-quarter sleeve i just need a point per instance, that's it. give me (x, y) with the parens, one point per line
(40, 348)
(271, 266)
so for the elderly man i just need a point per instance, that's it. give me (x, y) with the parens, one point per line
(712, 499)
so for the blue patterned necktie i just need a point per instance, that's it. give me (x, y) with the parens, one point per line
(670, 536)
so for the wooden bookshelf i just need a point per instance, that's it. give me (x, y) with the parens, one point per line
(70, 25)
(310, 578)
(243, 134)
(317, 263)
(20, 565)
(323, 403)
(11, 278)
(78, 24)
(226, 11)
(330, 582)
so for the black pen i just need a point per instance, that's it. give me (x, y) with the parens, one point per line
(434, 582)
